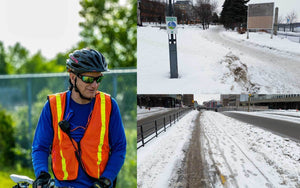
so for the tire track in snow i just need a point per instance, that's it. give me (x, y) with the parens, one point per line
(212, 135)
(216, 144)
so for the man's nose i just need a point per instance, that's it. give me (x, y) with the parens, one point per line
(94, 84)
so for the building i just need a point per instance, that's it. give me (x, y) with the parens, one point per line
(290, 101)
(151, 11)
(188, 100)
(168, 101)
(230, 100)
(184, 11)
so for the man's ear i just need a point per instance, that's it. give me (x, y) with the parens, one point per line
(72, 78)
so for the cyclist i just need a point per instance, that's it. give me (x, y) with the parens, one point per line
(81, 128)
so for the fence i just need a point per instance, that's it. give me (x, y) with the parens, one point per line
(252, 108)
(151, 129)
(25, 95)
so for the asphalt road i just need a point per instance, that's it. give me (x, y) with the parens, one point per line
(148, 123)
(280, 127)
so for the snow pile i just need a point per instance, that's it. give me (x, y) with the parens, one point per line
(279, 44)
(286, 115)
(236, 73)
(247, 156)
(155, 161)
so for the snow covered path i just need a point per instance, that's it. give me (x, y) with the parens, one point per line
(156, 161)
(234, 154)
(216, 61)
(241, 155)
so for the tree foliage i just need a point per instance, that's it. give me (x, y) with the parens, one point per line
(16, 59)
(7, 141)
(111, 29)
(205, 9)
(234, 13)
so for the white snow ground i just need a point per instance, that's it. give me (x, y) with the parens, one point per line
(217, 61)
(156, 160)
(246, 156)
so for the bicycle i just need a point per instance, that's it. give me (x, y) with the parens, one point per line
(24, 181)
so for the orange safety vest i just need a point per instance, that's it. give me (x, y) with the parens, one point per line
(94, 144)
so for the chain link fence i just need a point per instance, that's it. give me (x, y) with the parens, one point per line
(25, 95)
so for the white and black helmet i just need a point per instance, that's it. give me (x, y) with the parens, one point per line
(86, 60)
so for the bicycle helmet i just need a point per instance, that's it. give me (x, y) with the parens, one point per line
(86, 60)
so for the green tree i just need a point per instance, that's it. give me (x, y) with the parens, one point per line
(38, 64)
(5, 67)
(234, 13)
(111, 29)
(7, 141)
(17, 55)
(215, 18)
(35, 64)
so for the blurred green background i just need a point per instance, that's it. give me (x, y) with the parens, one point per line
(26, 80)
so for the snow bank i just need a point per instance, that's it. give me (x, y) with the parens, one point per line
(279, 44)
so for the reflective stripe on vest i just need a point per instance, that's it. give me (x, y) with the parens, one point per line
(94, 143)
(59, 114)
(103, 118)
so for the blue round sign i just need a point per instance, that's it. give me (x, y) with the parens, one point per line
(172, 25)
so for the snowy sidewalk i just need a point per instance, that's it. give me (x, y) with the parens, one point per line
(246, 156)
(156, 161)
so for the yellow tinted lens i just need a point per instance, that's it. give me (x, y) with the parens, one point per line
(87, 79)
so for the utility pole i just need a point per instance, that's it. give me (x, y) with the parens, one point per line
(249, 97)
(276, 21)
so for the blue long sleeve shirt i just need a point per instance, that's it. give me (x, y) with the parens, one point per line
(78, 115)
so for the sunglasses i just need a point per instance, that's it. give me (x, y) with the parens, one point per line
(90, 79)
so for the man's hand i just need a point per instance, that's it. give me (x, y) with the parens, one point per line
(41, 180)
(102, 183)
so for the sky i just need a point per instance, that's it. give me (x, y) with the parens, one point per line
(49, 26)
(200, 98)
(285, 6)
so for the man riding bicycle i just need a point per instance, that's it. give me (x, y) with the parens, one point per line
(81, 129)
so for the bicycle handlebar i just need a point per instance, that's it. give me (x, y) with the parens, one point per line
(24, 181)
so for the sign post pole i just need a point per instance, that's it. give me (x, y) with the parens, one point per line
(172, 30)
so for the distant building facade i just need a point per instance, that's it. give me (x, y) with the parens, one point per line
(184, 10)
(277, 101)
(152, 11)
(168, 101)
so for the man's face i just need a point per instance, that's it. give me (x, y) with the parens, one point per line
(88, 90)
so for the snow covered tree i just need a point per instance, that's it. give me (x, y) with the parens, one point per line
(234, 13)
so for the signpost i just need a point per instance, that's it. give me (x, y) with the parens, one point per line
(171, 24)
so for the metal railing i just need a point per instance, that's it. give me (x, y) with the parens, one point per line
(151, 129)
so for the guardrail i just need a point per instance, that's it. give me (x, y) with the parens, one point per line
(151, 129)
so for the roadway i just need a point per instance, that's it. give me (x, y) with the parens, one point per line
(280, 127)
(148, 123)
